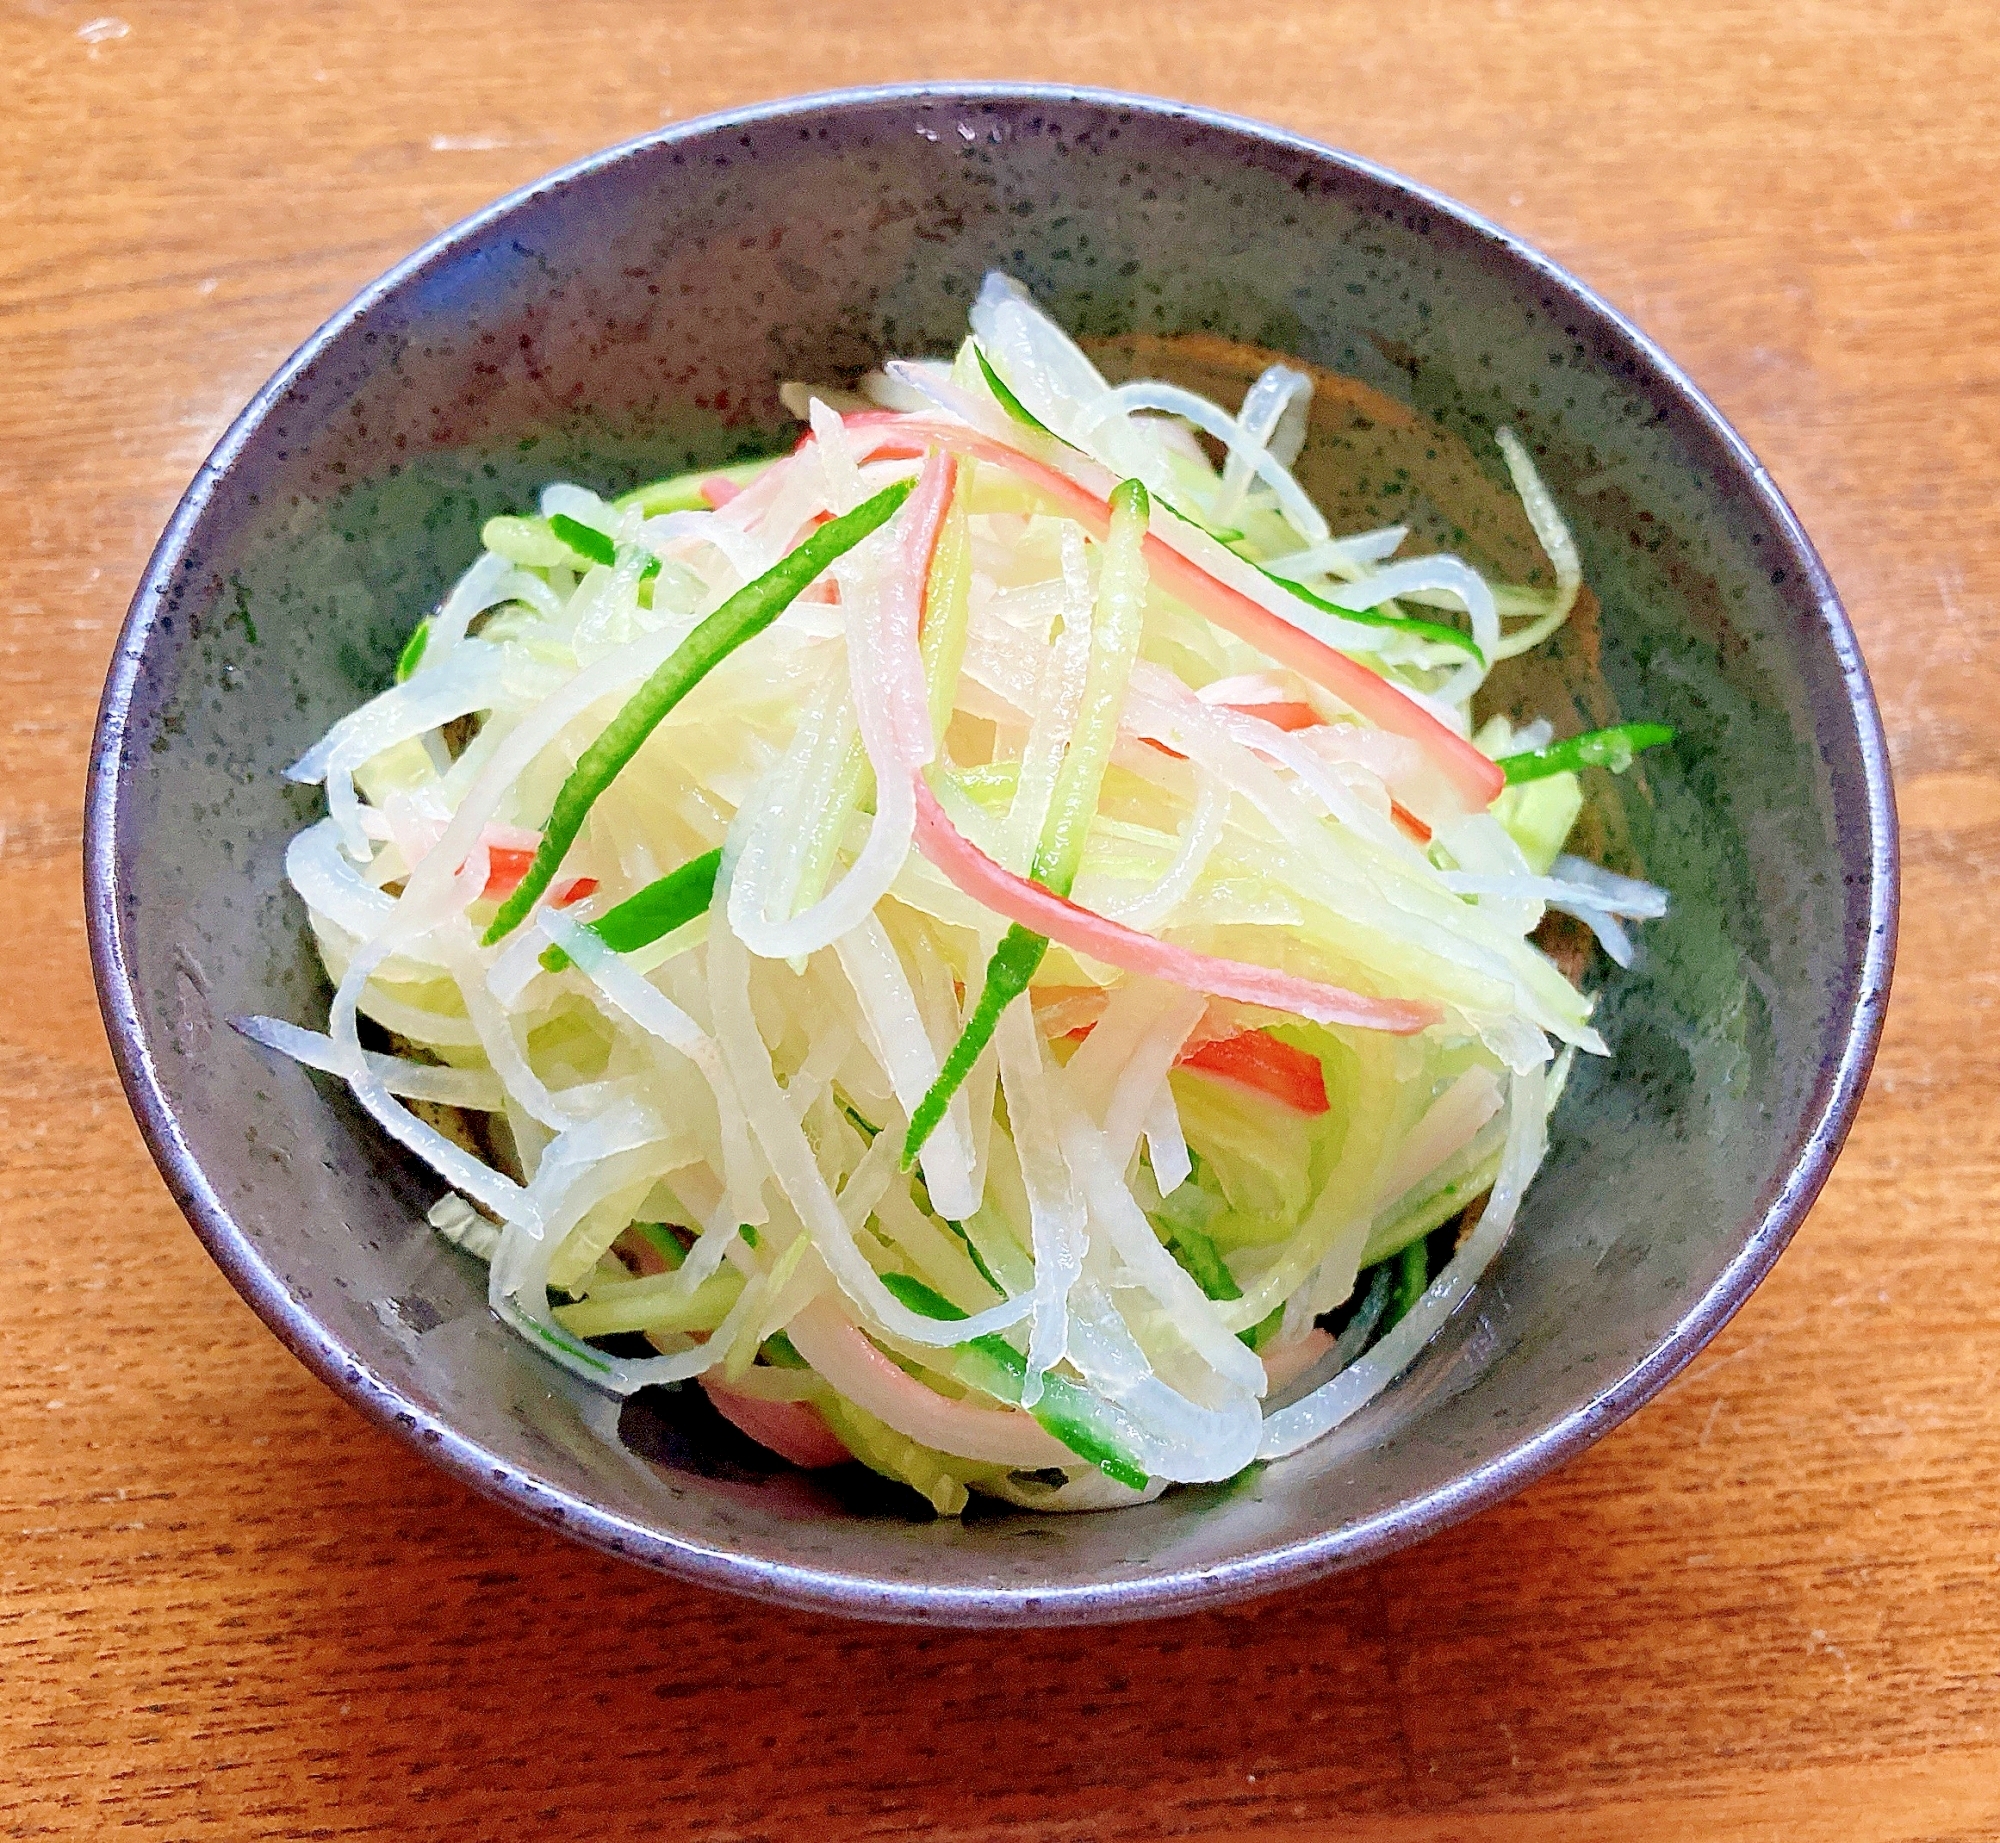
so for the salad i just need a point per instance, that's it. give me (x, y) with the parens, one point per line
(990, 943)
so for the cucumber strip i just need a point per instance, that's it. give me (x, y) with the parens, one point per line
(1006, 399)
(682, 492)
(412, 655)
(1413, 1274)
(994, 1367)
(657, 910)
(1204, 1263)
(1435, 632)
(742, 617)
(586, 540)
(654, 1304)
(1613, 748)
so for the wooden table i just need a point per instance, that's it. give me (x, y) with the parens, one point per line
(1765, 1608)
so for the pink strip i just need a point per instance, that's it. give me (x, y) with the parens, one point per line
(899, 623)
(1114, 944)
(791, 1429)
(855, 1368)
(900, 663)
(750, 502)
(1289, 1361)
(1475, 778)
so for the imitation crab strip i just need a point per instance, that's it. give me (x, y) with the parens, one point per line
(1473, 777)
(1266, 1065)
(1252, 1059)
(1097, 937)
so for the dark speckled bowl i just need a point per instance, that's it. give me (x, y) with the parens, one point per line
(635, 314)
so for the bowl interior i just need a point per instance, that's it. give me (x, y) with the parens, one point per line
(636, 316)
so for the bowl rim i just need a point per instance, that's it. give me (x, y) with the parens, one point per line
(1825, 1117)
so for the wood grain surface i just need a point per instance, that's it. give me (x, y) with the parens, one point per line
(1766, 1608)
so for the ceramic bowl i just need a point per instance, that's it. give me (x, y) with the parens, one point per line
(635, 314)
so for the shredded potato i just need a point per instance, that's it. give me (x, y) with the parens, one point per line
(971, 936)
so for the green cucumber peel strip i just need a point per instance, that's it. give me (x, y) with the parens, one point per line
(859, 1122)
(682, 492)
(1203, 1263)
(1264, 1330)
(742, 617)
(1059, 852)
(658, 1237)
(994, 1367)
(569, 1346)
(1227, 535)
(1430, 1211)
(1006, 399)
(1413, 1274)
(1613, 748)
(1008, 974)
(926, 1301)
(586, 540)
(412, 655)
(1434, 631)
(978, 1260)
(781, 1353)
(656, 911)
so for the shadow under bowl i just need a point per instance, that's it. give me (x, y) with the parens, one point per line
(634, 315)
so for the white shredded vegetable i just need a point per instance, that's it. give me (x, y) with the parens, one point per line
(766, 948)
